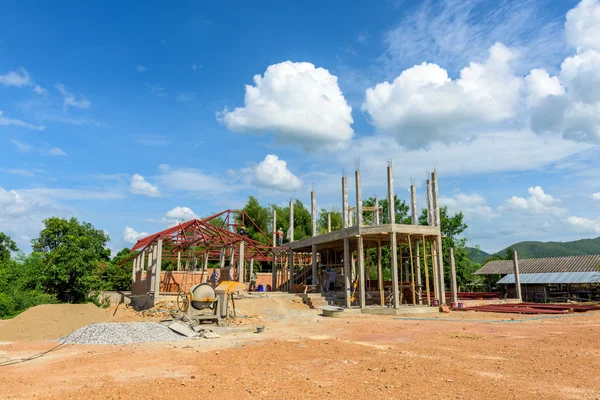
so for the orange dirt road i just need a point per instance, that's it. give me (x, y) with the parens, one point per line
(302, 355)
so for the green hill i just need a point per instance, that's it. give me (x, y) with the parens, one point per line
(544, 249)
(478, 256)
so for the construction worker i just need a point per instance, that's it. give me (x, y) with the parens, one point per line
(253, 278)
(243, 231)
(214, 278)
(280, 235)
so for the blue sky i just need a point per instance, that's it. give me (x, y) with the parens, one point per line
(133, 117)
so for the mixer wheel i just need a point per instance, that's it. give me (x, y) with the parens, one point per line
(183, 301)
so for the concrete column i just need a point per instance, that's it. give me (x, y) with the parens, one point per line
(376, 215)
(418, 272)
(453, 277)
(151, 267)
(361, 271)
(205, 268)
(313, 212)
(231, 261)
(178, 261)
(241, 263)
(345, 223)
(328, 222)
(251, 267)
(347, 274)
(415, 221)
(158, 267)
(314, 264)
(292, 270)
(291, 230)
(440, 254)
(430, 219)
(134, 269)
(359, 213)
(380, 275)
(393, 244)
(274, 228)
(517, 276)
(222, 258)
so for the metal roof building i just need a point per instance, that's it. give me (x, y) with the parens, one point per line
(588, 263)
(553, 278)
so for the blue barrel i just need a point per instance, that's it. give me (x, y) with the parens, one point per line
(261, 288)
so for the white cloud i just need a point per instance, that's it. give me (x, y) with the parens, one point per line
(423, 105)
(54, 151)
(131, 236)
(179, 214)
(140, 186)
(584, 224)
(299, 103)
(272, 173)
(471, 205)
(22, 147)
(69, 99)
(538, 202)
(596, 196)
(4, 121)
(140, 68)
(20, 78)
(583, 25)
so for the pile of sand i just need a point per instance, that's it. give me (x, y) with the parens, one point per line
(50, 321)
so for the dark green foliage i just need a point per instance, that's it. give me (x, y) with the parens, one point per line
(71, 252)
(261, 217)
(400, 207)
(336, 220)
(6, 246)
(477, 255)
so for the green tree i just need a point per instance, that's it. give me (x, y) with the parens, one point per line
(336, 220)
(400, 207)
(6, 246)
(261, 217)
(71, 252)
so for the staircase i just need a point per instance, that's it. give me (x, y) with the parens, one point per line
(314, 300)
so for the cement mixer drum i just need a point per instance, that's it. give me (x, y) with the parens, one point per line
(202, 296)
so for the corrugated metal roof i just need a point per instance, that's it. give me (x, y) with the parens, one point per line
(542, 265)
(553, 277)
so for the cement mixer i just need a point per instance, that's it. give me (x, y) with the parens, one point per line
(205, 303)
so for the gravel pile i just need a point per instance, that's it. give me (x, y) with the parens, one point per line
(123, 333)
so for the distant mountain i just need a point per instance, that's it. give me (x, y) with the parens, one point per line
(543, 249)
(477, 256)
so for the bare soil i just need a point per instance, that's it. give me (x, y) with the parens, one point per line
(302, 355)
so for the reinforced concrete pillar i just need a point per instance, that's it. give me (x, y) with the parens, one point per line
(347, 274)
(440, 254)
(328, 222)
(274, 243)
(222, 258)
(313, 212)
(151, 267)
(359, 213)
(376, 216)
(291, 230)
(205, 268)
(178, 261)
(453, 284)
(345, 222)
(361, 271)
(380, 274)
(517, 276)
(251, 268)
(241, 263)
(393, 244)
(158, 267)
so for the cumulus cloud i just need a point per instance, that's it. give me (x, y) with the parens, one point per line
(140, 186)
(69, 99)
(596, 196)
(4, 121)
(179, 214)
(296, 101)
(537, 202)
(20, 78)
(272, 173)
(569, 104)
(583, 25)
(423, 105)
(584, 225)
(471, 205)
(130, 235)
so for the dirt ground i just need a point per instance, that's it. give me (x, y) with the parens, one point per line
(302, 355)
